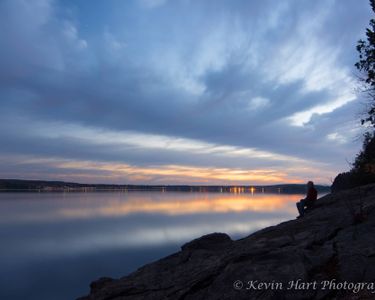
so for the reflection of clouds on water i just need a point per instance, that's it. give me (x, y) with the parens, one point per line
(48, 236)
(146, 236)
(58, 224)
(200, 203)
(107, 205)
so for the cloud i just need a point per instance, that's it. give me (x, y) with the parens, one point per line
(196, 84)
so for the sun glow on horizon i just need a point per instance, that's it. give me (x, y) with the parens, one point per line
(96, 172)
(110, 172)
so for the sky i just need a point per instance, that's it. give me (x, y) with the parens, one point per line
(180, 91)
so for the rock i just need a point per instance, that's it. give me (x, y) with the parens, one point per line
(100, 283)
(329, 243)
(213, 241)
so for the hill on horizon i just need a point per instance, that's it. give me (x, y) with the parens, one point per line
(45, 185)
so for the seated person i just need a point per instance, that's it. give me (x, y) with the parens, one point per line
(305, 204)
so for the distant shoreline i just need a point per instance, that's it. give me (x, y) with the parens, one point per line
(19, 185)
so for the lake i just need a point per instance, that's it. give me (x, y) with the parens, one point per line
(54, 244)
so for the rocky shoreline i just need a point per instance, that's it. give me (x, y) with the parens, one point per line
(328, 254)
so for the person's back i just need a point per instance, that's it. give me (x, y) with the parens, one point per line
(308, 203)
(312, 195)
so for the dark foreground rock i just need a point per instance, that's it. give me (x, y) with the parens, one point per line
(331, 245)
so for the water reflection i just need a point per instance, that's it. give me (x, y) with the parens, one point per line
(184, 203)
(38, 208)
(104, 233)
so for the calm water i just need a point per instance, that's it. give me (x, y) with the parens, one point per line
(54, 244)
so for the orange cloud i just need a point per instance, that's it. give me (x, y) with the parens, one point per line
(182, 174)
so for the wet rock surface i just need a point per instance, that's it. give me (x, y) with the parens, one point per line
(335, 242)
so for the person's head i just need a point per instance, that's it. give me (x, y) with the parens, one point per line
(310, 184)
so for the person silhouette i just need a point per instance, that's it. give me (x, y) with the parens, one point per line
(307, 203)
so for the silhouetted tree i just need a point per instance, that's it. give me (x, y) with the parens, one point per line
(365, 160)
(363, 168)
(366, 65)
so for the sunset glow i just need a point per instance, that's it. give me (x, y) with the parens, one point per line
(180, 205)
(221, 131)
(96, 172)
